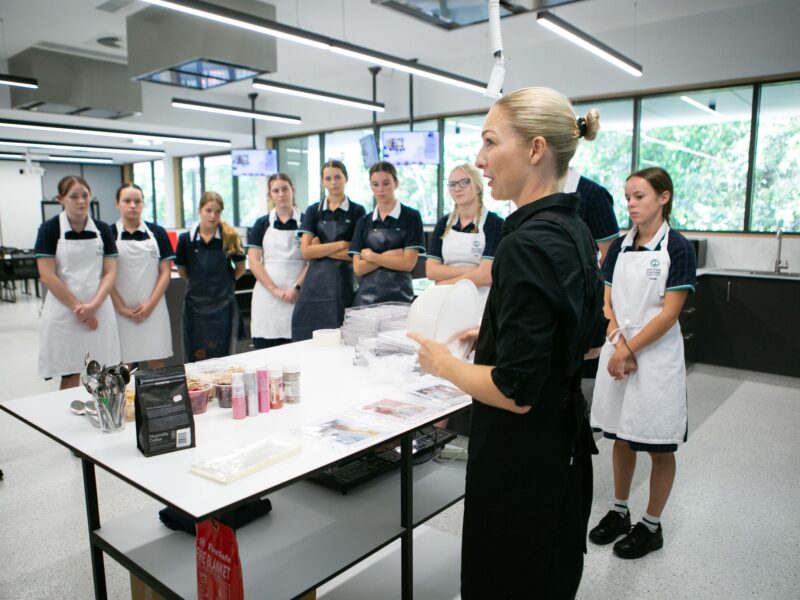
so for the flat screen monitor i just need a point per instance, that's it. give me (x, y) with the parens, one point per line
(254, 162)
(369, 150)
(410, 147)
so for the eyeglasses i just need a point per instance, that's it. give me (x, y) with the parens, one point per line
(461, 183)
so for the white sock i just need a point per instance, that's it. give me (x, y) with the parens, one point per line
(621, 506)
(651, 522)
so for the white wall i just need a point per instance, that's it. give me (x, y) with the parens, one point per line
(20, 208)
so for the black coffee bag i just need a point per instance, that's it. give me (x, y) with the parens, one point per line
(164, 420)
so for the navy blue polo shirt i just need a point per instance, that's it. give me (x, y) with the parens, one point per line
(348, 211)
(402, 217)
(682, 261)
(184, 250)
(596, 209)
(255, 236)
(492, 229)
(165, 251)
(50, 231)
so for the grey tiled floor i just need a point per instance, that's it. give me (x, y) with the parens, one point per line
(730, 526)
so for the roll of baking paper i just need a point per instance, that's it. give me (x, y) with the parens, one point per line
(327, 337)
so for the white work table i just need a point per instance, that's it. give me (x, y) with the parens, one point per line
(311, 535)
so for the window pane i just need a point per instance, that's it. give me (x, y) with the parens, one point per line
(143, 178)
(607, 159)
(702, 140)
(418, 187)
(190, 180)
(298, 157)
(219, 178)
(344, 146)
(776, 193)
(161, 200)
(252, 202)
(462, 142)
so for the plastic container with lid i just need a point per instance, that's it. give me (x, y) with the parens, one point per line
(238, 397)
(291, 384)
(276, 398)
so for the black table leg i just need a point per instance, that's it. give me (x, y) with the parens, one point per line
(407, 517)
(93, 518)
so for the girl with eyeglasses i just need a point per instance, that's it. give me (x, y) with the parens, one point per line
(386, 243)
(464, 242)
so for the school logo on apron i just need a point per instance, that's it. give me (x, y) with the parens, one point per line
(476, 248)
(654, 271)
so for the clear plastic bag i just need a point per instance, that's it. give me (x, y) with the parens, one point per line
(245, 460)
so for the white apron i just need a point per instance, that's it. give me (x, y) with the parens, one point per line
(649, 405)
(461, 249)
(271, 317)
(137, 274)
(63, 340)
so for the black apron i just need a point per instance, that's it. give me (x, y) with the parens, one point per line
(210, 313)
(529, 486)
(384, 285)
(327, 288)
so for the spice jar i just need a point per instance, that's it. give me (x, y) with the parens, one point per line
(291, 384)
(238, 397)
(275, 387)
(262, 381)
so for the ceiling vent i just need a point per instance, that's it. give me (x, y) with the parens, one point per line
(169, 47)
(74, 85)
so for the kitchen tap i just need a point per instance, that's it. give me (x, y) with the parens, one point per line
(779, 264)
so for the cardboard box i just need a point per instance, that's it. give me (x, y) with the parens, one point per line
(141, 591)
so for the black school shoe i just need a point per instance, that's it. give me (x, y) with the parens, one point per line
(613, 525)
(639, 542)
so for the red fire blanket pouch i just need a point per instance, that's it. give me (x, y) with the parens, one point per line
(219, 571)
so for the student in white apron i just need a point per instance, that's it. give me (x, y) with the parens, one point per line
(276, 262)
(640, 392)
(386, 243)
(143, 274)
(464, 242)
(76, 257)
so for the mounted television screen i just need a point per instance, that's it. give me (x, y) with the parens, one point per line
(369, 150)
(254, 162)
(410, 147)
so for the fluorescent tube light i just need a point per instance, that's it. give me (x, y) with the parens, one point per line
(80, 148)
(703, 107)
(293, 90)
(407, 66)
(23, 82)
(78, 159)
(11, 156)
(220, 14)
(234, 18)
(235, 112)
(180, 139)
(680, 148)
(587, 42)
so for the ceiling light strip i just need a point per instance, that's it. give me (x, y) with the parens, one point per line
(703, 107)
(179, 139)
(92, 160)
(81, 148)
(23, 82)
(569, 32)
(234, 18)
(235, 112)
(293, 90)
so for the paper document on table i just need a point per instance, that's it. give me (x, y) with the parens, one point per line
(343, 432)
(407, 411)
(245, 460)
(438, 391)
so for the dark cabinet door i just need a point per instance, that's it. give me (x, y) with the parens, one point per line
(749, 323)
(767, 313)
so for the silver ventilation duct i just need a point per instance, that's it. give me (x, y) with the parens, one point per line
(169, 47)
(74, 85)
